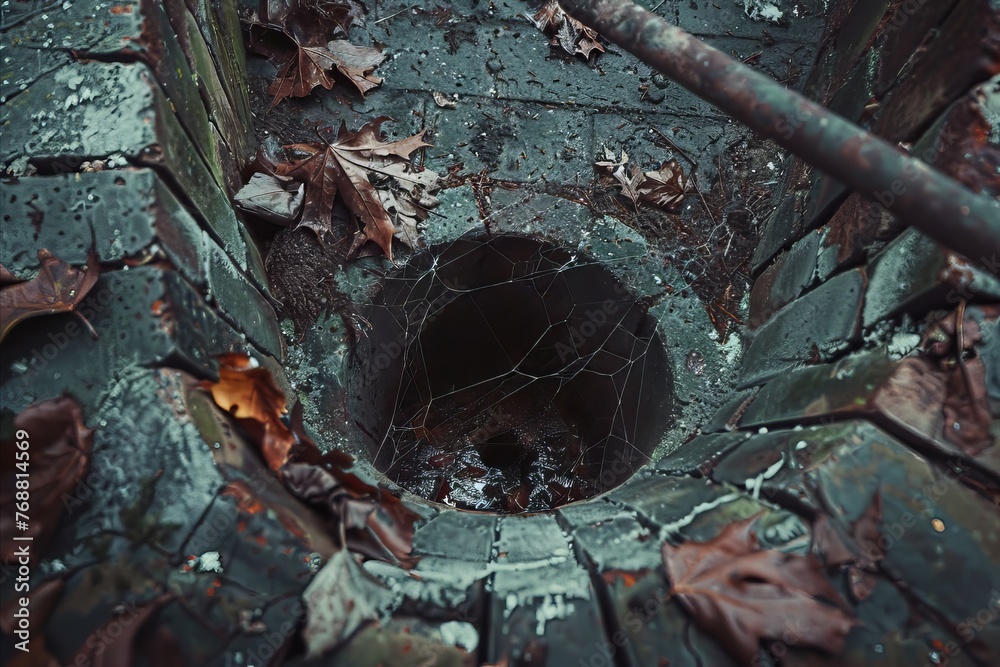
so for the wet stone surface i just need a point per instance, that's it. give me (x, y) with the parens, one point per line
(179, 512)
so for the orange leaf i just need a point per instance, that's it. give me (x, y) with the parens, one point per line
(249, 393)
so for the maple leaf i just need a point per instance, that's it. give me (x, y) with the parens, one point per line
(372, 177)
(248, 393)
(60, 453)
(296, 35)
(58, 288)
(665, 187)
(568, 33)
(741, 594)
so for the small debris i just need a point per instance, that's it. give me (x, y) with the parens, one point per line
(443, 100)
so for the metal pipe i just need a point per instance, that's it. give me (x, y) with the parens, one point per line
(939, 206)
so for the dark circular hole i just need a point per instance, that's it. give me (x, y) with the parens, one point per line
(507, 374)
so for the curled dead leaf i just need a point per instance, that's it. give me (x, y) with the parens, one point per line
(443, 100)
(665, 187)
(58, 288)
(568, 33)
(300, 38)
(372, 177)
(249, 393)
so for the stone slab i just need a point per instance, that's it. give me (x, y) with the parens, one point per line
(818, 324)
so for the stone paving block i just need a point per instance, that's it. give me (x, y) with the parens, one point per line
(237, 298)
(553, 627)
(539, 590)
(621, 543)
(909, 27)
(56, 131)
(786, 223)
(142, 32)
(122, 213)
(913, 274)
(698, 457)
(403, 641)
(502, 138)
(822, 322)
(222, 32)
(144, 317)
(849, 35)
(682, 507)
(860, 227)
(126, 214)
(651, 628)
(228, 106)
(767, 464)
(458, 535)
(963, 54)
(728, 415)
(905, 397)
(169, 485)
(37, 44)
(852, 99)
(931, 526)
(785, 280)
(964, 142)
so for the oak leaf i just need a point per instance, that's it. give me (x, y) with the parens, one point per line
(58, 288)
(663, 188)
(373, 178)
(568, 33)
(741, 594)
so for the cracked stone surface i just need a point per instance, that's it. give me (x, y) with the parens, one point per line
(803, 328)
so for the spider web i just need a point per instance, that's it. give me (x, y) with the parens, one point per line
(507, 374)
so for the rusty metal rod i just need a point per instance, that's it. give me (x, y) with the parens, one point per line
(920, 196)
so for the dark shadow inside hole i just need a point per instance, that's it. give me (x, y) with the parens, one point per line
(507, 374)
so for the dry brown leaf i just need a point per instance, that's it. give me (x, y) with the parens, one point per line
(58, 288)
(665, 187)
(248, 393)
(56, 458)
(99, 651)
(568, 33)
(740, 594)
(299, 37)
(373, 177)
